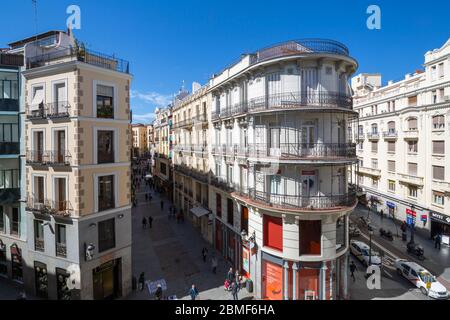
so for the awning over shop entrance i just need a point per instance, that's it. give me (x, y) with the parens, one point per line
(199, 211)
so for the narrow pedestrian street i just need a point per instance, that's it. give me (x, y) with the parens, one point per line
(173, 252)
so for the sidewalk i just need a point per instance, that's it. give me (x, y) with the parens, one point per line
(438, 262)
(172, 252)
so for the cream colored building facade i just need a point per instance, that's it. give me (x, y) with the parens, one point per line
(191, 117)
(403, 141)
(78, 172)
(163, 155)
(140, 142)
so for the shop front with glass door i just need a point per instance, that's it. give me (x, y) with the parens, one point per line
(106, 280)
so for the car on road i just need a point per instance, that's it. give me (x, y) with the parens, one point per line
(362, 252)
(420, 276)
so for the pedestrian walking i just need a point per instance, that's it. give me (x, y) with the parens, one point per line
(437, 241)
(159, 292)
(381, 214)
(230, 275)
(162, 205)
(141, 281)
(352, 270)
(193, 292)
(150, 222)
(204, 253)
(146, 197)
(144, 223)
(214, 264)
(234, 290)
(237, 278)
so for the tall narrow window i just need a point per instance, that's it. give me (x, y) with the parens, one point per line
(105, 146)
(310, 233)
(39, 236)
(230, 212)
(273, 232)
(2, 220)
(412, 124)
(105, 102)
(15, 222)
(61, 248)
(412, 169)
(438, 173)
(106, 198)
(391, 166)
(106, 235)
(244, 219)
(438, 122)
(218, 205)
(391, 146)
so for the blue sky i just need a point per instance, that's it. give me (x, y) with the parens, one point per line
(167, 42)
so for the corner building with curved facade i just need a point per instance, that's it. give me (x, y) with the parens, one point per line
(280, 157)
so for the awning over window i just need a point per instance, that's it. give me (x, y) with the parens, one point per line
(37, 99)
(199, 212)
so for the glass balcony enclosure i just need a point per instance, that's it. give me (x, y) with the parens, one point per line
(9, 91)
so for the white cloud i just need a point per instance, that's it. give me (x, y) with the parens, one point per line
(154, 98)
(145, 118)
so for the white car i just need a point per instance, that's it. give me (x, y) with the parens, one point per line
(419, 276)
(362, 252)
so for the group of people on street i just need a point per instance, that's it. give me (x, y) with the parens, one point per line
(144, 222)
(233, 283)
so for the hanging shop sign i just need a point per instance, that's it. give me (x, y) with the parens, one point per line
(439, 217)
(246, 259)
(410, 217)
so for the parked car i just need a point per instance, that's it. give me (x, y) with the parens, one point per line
(353, 230)
(419, 276)
(361, 251)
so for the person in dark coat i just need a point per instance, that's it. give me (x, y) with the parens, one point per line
(437, 242)
(141, 281)
(193, 292)
(230, 275)
(159, 292)
(234, 290)
(162, 205)
(352, 270)
(144, 223)
(150, 222)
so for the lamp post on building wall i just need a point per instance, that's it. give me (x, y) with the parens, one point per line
(369, 227)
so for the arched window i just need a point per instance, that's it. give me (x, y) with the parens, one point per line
(374, 128)
(412, 124)
(391, 126)
(439, 122)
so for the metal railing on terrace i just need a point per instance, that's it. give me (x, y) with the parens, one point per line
(301, 151)
(289, 100)
(54, 110)
(14, 60)
(301, 46)
(48, 157)
(61, 208)
(79, 54)
(286, 201)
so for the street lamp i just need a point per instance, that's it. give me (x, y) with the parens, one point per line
(369, 227)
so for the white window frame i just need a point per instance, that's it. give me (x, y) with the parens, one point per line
(116, 189)
(56, 82)
(53, 140)
(33, 187)
(94, 98)
(44, 144)
(116, 142)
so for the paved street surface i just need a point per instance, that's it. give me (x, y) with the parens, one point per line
(9, 290)
(173, 252)
(394, 286)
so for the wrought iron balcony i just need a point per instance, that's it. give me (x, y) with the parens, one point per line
(192, 172)
(48, 158)
(79, 54)
(183, 123)
(61, 250)
(373, 135)
(9, 148)
(391, 134)
(292, 151)
(54, 110)
(286, 201)
(222, 183)
(49, 207)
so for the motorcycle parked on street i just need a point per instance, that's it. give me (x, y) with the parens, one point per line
(386, 234)
(415, 249)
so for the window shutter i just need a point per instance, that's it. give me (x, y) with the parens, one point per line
(438, 173)
(105, 91)
(412, 168)
(439, 147)
(391, 166)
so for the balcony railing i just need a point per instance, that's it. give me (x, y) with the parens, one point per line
(61, 208)
(61, 249)
(370, 171)
(183, 123)
(373, 135)
(54, 110)
(192, 172)
(359, 136)
(290, 100)
(79, 54)
(14, 60)
(48, 158)
(222, 183)
(39, 244)
(411, 134)
(9, 148)
(411, 179)
(303, 202)
(302, 151)
(301, 46)
(390, 134)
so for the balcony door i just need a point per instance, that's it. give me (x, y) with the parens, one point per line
(61, 194)
(60, 98)
(309, 187)
(60, 146)
(308, 138)
(309, 82)
(38, 146)
(39, 196)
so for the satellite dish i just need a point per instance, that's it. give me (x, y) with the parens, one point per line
(73, 281)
